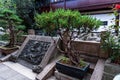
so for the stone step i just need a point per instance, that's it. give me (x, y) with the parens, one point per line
(87, 77)
(61, 76)
(52, 78)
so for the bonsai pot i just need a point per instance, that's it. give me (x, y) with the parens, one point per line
(72, 70)
(6, 50)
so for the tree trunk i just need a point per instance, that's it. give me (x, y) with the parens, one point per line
(67, 40)
(12, 36)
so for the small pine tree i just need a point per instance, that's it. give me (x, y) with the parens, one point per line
(69, 25)
(10, 20)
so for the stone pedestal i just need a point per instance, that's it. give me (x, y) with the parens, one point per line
(110, 71)
(61, 76)
(31, 32)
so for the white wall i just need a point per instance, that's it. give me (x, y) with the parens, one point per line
(105, 17)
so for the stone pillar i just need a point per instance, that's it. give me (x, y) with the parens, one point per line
(31, 32)
(110, 70)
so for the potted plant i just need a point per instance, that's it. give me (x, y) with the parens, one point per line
(111, 45)
(12, 23)
(69, 25)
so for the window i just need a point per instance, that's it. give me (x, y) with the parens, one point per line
(56, 1)
(104, 23)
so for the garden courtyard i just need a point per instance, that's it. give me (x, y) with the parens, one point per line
(56, 40)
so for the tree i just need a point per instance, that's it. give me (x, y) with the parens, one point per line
(26, 10)
(10, 20)
(69, 25)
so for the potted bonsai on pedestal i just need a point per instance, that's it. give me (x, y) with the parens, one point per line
(69, 25)
(12, 23)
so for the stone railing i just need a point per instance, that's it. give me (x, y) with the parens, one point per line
(90, 48)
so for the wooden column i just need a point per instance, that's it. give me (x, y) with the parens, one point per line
(117, 10)
(50, 5)
(117, 23)
(64, 4)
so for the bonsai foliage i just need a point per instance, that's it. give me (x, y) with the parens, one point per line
(69, 26)
(10, 21)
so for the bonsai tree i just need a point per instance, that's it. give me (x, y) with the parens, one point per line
(69, 26)
(26, 10)
(10, 21)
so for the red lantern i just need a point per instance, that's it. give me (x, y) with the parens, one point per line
(117, 6)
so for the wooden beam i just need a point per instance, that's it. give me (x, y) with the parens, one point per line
(64, 4)
(85, 4)
(98, 71)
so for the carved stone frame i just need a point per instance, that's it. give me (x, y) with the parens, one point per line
(51, 50)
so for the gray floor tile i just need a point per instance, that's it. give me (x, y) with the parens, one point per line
(7, 73)
(18, 77)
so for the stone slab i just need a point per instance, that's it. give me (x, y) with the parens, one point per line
(18, 77)
(107, 76)
(61, 76)
(50, 53)
(98, 71)
(113, 69)
(21, 69)
(52, 78)
(48, 70)
(110, 70)
(2, 78)
(51, 50)
(6, 73)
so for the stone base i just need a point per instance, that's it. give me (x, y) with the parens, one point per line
(107, 76)
(61, 76)
(31, 32)
(110, 71)
(15, 71)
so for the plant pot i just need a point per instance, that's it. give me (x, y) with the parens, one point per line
(6, 50)
(72, 70)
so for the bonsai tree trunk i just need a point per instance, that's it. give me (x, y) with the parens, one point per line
(68, 50)
(12, 36)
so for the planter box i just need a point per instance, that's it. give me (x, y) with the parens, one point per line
(71, 70)
(110, 70)
(6, 51)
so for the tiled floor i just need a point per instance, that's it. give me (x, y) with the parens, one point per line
(15, 71)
